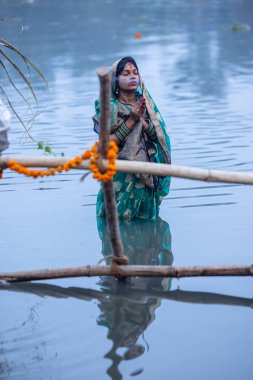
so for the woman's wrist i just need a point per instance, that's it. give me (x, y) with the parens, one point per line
(145, 124)
(122, 132)
(130, 123)
(150, 131)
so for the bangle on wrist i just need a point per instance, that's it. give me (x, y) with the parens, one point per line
(122, 132)
(150, 131)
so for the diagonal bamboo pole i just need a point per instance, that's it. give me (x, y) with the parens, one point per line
(109, 195)
(125, 166)
(129, 270)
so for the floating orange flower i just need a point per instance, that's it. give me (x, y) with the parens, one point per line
(138, 35)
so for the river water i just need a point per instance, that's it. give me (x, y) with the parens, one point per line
(196, 58)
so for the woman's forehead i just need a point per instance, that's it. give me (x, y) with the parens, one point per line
(130, 66)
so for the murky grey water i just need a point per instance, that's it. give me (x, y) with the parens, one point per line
(200, 73)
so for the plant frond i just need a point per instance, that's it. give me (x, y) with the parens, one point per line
(25, 59)
(20, 73)
(15, 112)
(25, 76)
(13, 84)
(27, 131)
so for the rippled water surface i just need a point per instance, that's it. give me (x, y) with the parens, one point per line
(196, 58)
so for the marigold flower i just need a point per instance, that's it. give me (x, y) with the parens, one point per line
(72, 163)
(35, 173)
(78, 160)
(111, 166)
(111, 155)
(86, 155)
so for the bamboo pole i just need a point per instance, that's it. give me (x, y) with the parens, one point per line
(109, 194)
(125, 166)
(129, 271)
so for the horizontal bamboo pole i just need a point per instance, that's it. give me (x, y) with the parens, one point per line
(165, 170)
(128, 271)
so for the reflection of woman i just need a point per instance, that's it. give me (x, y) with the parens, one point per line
(125, 316)
(139, 130)
(144, 242)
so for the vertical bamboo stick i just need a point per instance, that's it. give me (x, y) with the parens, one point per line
(104, 134)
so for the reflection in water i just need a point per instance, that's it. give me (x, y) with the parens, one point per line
(120, 294)
(127, 308)
(145, 243)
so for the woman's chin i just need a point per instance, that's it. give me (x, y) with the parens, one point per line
(133, 87)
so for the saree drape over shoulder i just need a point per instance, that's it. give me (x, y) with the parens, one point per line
(137, 195)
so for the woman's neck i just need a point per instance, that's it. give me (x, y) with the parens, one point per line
(126, 97)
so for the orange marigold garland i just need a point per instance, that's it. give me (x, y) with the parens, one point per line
(111, 168)
(89, 154)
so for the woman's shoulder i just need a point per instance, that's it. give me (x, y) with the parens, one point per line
(114, 105)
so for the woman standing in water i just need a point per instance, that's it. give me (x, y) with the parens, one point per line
(139, 130)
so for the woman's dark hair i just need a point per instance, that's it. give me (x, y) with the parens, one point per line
(120, 67)
(122, 63)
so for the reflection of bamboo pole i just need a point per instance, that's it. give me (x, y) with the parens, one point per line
(110, 202)
(126, 293)
(129, 270)
(208, 175)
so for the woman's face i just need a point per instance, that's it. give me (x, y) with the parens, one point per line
(129, 78)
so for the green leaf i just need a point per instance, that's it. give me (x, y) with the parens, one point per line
(62, 154)
(40, 145)
(47, 149)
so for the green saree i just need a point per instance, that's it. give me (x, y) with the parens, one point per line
(137, 195)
